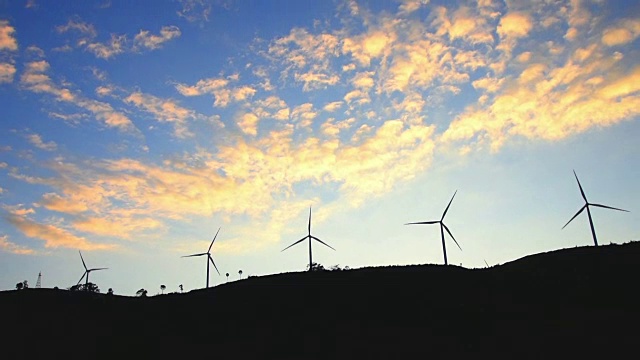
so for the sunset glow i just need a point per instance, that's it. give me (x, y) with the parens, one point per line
(133, 130)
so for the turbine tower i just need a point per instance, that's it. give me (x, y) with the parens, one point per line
(443, 227)
(309, 236)
(586, 206)
(87, 271)
(209, 258)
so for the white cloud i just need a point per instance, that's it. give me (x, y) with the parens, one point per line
(35, 80)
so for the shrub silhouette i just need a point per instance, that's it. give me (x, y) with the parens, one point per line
(316, 267)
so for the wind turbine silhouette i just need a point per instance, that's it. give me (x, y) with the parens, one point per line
(86, 271)
(443, 227)
(209, 258)
(586, 206)
(309, 236)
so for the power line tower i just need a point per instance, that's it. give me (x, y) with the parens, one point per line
(39, 282)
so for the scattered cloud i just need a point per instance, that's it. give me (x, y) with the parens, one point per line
(195, 10)
(164, 110)
(409, 6)
(110, 49)
(13, 248)
(7, 41)
(35, 79)
(333, 106)
(7, 71)
(622, 33)
(54, 236)
(36, 140)
(152, 42)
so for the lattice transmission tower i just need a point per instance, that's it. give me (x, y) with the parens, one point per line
(39, 281)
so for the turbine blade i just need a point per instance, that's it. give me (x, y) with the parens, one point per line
(82, 277)
(423, 222)
(214, 239)
(194, 255)
(214, 264)
(322, 242)
(309, 220)
(580, 186)
(450, 234)
(98, 269)
(297, 242)
(609, 207)
(450, 201)
(83, 264)
(574, 216)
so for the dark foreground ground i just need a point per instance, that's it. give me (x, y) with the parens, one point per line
(573, 303)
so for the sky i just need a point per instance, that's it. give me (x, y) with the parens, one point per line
(133, 131)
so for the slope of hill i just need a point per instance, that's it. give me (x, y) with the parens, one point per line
(565, 303)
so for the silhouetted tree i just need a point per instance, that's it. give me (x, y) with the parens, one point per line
(110, 291)
(240, 272)
(227, 277)
(180, 287)
(316, 267)
(141, 293)
(335, 268)
(25, 284)
(90, 287)
(162, 287)
(19, 286)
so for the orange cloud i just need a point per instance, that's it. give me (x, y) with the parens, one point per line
(6, 72)
(624, 32)
(164, 111)
(7, 41)
(151, 41)
(553, 103)
(54, 236)
(13, 248)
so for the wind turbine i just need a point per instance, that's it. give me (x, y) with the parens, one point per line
(586, 206)
(87, 271)
(309, 236)
(443, 227)
(209, 258)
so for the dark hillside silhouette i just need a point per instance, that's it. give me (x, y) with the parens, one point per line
(573, 303)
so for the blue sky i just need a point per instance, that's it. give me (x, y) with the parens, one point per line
(133, 131)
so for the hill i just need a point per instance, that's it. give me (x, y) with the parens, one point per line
(569, 303)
